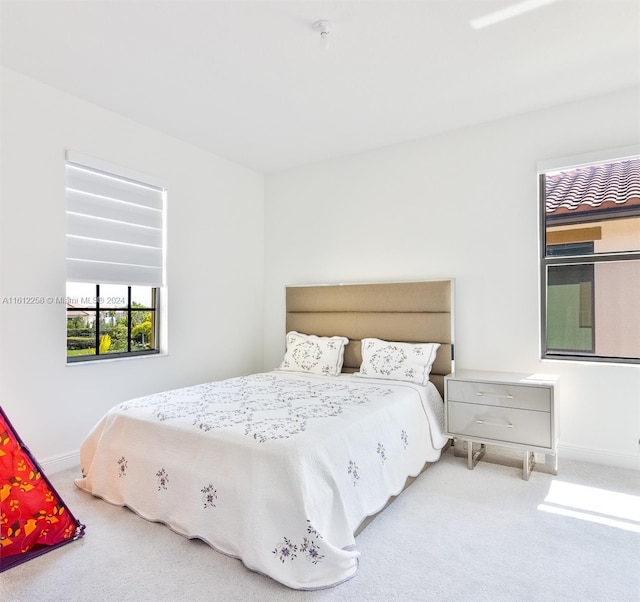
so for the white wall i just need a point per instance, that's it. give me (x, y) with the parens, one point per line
(462, 205)
(214, 271)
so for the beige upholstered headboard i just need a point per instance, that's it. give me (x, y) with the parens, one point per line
(410, 312)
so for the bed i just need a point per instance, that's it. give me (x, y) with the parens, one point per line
(281, 469)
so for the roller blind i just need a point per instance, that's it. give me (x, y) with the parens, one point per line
(115, 224)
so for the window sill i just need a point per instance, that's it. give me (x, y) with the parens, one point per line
(117, 359)
(596, 361)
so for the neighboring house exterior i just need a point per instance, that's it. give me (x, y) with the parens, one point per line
(594, 306)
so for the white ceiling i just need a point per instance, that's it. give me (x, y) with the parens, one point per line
(248, 80)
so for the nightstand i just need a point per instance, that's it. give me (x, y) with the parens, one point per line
(510, 409)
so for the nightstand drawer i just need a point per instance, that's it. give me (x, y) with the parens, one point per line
(506, 395)
(510, 425)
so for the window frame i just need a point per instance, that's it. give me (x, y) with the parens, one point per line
(129, 309)
(546, 260)
(116, 235)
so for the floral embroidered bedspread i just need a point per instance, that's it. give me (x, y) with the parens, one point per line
(277, 469)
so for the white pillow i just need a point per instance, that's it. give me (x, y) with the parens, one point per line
(397, 361)
(310, 353)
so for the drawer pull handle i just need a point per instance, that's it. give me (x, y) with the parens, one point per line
(482, 394)
(508, 425)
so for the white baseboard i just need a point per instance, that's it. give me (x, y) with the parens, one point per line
(60, 462)
(598, 456)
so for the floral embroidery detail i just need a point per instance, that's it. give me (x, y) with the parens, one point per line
(163, 479)
(311, 551)
(382, 453)
(274, 428)
(405, 439)
(286, 549)
(122, 468)
(410, 373)
(309, 547)
(319, 411)
(307, 354)
(266, 406)
(388, 359)
(353, 471)
(311, 531)
(209, 496)
(216, 420)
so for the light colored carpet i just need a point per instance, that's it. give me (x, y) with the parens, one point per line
(454, 534)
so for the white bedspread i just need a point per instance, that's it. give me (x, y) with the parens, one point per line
(277, 469)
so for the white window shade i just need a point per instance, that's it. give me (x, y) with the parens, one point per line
(114, 225)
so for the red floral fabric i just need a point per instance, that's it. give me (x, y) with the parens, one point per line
(33, 516)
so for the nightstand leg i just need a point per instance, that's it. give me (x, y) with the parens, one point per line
(474, 457)
(528, 462)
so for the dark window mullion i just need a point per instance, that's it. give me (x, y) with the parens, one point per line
(129, 319)
(97, 307)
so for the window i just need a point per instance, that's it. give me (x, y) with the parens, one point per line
(115, 232)
(110, 320)
(590, 260)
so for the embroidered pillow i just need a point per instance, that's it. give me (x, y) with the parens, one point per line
(310, 353)
(397, 361)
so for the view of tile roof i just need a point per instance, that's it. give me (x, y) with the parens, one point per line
(595, 188)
